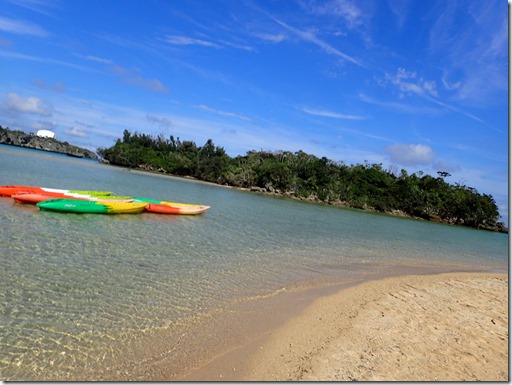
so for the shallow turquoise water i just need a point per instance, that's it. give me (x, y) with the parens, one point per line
(78, 289)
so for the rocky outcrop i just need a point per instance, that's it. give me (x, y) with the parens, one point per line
(21, 139)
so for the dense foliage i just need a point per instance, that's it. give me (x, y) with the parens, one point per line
(301, 175)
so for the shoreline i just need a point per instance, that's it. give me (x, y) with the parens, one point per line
(334, 331)
(288, 335)
(436, 326)
(337, 204)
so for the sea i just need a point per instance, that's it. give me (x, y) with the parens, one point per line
(83, 294)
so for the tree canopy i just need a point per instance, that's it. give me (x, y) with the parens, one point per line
(305, 176)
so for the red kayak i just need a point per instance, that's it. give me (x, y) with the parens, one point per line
(36, 198)
(12, 190)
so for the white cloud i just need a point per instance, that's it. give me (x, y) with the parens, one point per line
(396, 106)
(21, 56)
(331, 114)
(223, 113)
(273, 38)
(21, 27)
(408, 82)
(311, 37)
(185, 40)
(44, 7)
(76, 131)
(33, 105)
(410, 154)
(98, 59)
(345, 9)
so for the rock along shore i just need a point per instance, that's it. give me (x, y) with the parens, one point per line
(21, 139)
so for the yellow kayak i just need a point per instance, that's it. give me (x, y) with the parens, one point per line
(124, 207)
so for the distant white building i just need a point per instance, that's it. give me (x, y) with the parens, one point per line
(45, 134)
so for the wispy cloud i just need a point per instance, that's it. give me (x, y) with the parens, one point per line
(43, 125)
(272, 38)
(396, 106)
(77, 132)
(240, 46)
(475, 50)
(161, 121)
(310, 37)
(364, 134)
(57, 87)
(134, 78)
(409, 82)
(467, 114)
(39, 6)
(186, 40)
(346, 9)
(330, 114)
(223, 113)
(21, 56)
(22, 27)
(98, 59)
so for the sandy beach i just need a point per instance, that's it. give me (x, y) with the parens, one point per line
(443, 327)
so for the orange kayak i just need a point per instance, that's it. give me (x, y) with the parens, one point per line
(160, 208)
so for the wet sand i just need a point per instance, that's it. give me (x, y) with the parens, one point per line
(439, 327)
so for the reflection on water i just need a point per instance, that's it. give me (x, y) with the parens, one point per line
(79, 291)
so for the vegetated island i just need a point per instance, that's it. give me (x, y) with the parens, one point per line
(22, 139)
(303, 176)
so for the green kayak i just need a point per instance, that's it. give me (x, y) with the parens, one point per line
(73, 206)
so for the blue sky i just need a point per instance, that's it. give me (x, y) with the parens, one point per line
(418, 85)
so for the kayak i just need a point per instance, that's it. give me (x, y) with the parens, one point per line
(73, 206)
(111, 198)
(93, 207)
(158, 208)
(80, 192)
(35, 198)
(124, 207)
(165, 207)
(68, 201)
(14, 189)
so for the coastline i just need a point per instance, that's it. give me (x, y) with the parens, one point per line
(338, 203)
(433, 327)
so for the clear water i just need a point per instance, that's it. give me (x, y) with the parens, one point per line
(78, 290)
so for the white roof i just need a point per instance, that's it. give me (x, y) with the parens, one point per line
(46, 133)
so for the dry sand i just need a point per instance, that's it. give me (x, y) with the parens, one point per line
(446, 327)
